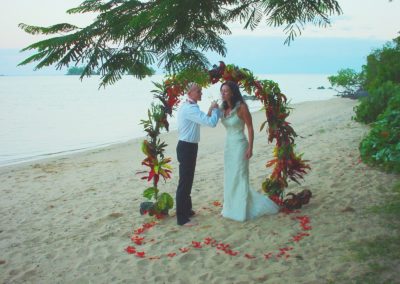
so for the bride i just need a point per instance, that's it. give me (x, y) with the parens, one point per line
(241, 203)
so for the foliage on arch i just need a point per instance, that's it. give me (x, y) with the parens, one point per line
(286, 163)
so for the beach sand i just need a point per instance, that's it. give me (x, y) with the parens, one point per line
(69, 219)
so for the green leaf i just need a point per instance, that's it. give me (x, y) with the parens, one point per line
(262, 125)
(150, 192)
(165, 201)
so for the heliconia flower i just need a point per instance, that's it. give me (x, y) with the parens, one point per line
(139, 231)
(196, 244)
(159, 216)
(184, 250)
(137, 240)
(299, 237)
(171, 254)
(304, 222)
(174, 90)
(296, 238)
(222, 246)
(209, 241)
(157, 168)
(172, 101)
(231, 252)
(227, 76)
(145, 227)
(275, 198)
(140, 254)
(280, 254)
(130, 249)
(214, 80)
(149, 225)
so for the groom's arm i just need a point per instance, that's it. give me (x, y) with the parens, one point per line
(196, 115)
(212, 107)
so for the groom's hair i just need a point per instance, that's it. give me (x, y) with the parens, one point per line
(236, 95)
(191, 85)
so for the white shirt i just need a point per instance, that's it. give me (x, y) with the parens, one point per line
(190, 117)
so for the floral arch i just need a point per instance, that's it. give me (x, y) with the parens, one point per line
(286, 163)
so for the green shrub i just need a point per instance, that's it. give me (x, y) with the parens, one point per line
(347, 82)
(382, 145)
(383, 65)
(375, 103)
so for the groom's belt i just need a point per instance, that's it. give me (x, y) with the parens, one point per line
(181, 141)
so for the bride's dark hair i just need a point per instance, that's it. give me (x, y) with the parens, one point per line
(236, 95)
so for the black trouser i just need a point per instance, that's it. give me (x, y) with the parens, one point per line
(187, 155)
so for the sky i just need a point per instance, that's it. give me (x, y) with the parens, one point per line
(364, 25)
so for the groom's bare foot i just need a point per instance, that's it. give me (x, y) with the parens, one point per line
(190, 224)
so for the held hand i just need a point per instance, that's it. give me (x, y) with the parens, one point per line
(214, 104)
(249, 153)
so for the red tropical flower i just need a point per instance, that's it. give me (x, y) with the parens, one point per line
(184, 250)
(137, 240)
(231, 252)
(157, 168)
(130, 249)
(140, 254)
(209, 241)
(196, 244)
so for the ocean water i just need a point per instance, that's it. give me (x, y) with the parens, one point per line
(43, 116)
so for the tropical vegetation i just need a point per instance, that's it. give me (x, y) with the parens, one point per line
(380, 77)
(347, 82)
(78, 71)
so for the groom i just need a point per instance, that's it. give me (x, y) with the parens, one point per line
(190, 117)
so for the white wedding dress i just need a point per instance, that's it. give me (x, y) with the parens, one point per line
(241, 203)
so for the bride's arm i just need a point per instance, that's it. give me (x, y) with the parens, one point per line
(244, 114)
